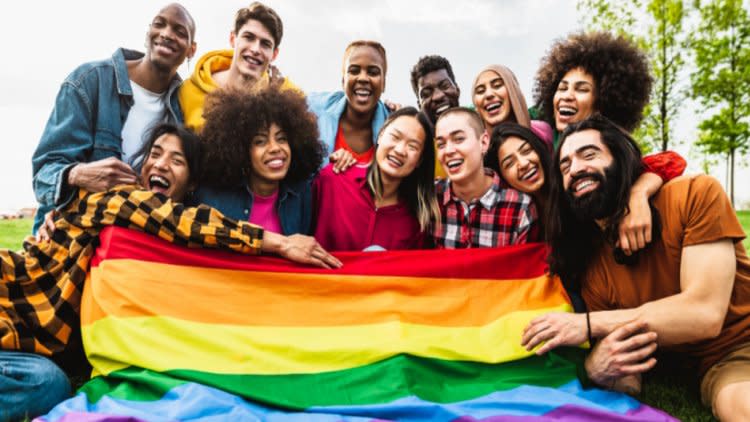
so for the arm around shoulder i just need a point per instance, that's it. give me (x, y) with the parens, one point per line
(130, 206)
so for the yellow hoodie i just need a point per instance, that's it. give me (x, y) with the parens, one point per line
(193, 91)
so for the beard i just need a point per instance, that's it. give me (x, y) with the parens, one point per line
(599, 203)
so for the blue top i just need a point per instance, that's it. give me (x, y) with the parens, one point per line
(86, 125)
(329, 106)
(294, 204)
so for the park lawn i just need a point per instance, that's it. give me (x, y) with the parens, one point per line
(12, 232)
(667, 387)
(744, 217)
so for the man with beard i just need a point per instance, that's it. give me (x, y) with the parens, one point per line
(103, 109)
(688, 291)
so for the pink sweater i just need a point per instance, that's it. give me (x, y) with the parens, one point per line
(347, 219)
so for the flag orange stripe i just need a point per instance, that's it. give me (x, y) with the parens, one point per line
(209, 295)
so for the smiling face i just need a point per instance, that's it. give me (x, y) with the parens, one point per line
(491, 98)
(584, 160)
(165, 169)
(574, 98)
(520, 165)
(254, 50)
(169, 40)
(460, 147)
(437, 93)
(364, 78)
(270, 156)
(399, 148)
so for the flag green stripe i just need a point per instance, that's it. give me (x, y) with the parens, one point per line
(435, 380)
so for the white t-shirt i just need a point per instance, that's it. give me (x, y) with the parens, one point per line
(149, 108)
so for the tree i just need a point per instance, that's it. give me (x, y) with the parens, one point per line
(657, 27)
(666, 42)
(721, 81)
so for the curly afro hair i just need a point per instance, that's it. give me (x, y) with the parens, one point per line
(233, 117)
(619, 68)
(427, 64)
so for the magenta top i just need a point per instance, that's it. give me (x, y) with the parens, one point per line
(264, 212)
(347, 219)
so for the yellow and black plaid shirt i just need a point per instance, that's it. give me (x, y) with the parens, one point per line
(40, 294)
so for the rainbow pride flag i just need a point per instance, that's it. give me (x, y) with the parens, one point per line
(179, 334)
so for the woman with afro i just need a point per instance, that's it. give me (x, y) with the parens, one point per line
(262, 152)
(598, 72)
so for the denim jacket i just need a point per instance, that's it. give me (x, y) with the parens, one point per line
(294, 204)
(329, 106)
(86, 125)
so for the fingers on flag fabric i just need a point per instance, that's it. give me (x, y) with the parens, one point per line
(179, 334)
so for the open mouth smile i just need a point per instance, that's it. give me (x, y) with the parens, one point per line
(442, 108)
(363, 94)
(493, 108)
(158, 183)
(566, 111)
(584, 186)
(275, 163)
(530, 175)
(454, 165)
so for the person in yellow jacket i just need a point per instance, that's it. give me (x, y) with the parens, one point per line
(255, 44)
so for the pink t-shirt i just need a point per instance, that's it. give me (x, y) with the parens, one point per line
(347, 219)
(264, 212)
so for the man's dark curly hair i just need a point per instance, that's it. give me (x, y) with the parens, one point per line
(427, 64)
(233, 117)
(619, 68)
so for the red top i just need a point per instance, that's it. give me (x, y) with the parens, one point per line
(347, 219)
(362, 158)
(667, 165)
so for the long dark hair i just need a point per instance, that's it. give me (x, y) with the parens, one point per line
(502, 132)
(191, 148)
(573, 241)
(418, 188)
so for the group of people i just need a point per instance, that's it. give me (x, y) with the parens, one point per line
(240, 158)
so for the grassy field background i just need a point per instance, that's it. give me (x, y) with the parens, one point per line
(668, 387)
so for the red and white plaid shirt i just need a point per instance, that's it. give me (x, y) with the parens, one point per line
(502, 216)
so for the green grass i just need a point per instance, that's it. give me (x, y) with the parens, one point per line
(12, 232)
(744, 217)
(668, 387)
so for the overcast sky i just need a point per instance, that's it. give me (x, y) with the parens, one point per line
(43, 41)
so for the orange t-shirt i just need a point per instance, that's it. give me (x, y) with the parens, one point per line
(362, 158)
(694, 210)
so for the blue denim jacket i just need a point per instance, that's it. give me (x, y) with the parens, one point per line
(329, 106)
(294, 204)
(86, 125)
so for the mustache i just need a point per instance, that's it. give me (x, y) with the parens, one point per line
(597, 177)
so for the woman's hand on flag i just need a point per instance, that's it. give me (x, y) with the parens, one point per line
(299, 248)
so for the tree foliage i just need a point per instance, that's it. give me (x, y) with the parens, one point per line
(721, 80)
(657, 27)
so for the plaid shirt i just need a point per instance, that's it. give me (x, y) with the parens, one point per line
(501, 217)
(40, 293)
